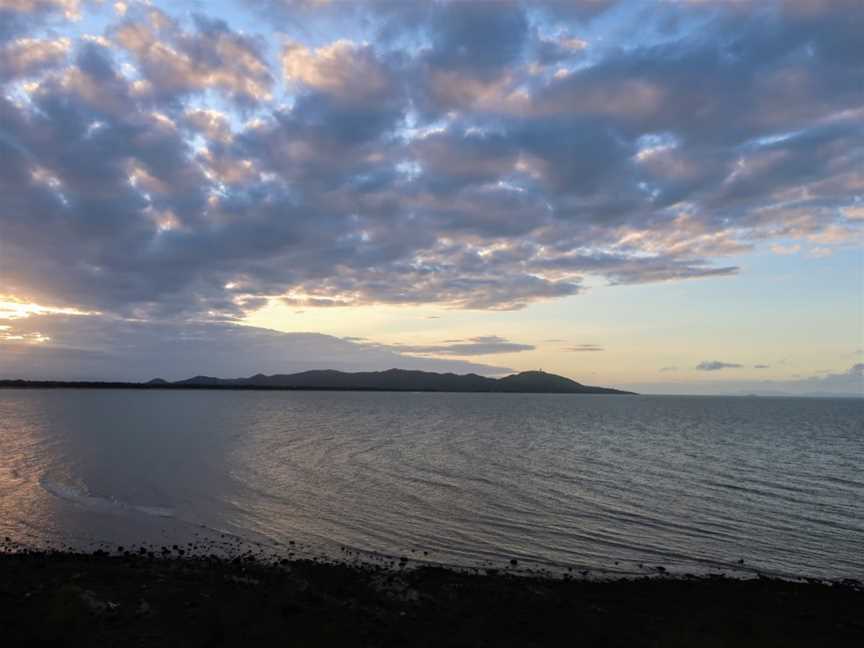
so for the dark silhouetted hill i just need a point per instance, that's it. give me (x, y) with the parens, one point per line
(405, 380)
(537, 382)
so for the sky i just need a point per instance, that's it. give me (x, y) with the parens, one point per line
(662, 196)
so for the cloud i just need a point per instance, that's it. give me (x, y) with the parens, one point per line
(833, 384)
(105, 348)
(849, 382)
(174, 62)
(716, 365)
(786, 250)
(342, 68)
(416, 153)
(481, 345)
(665, 369)
(17, 15)
(476, 39)
(27, 56)
(761, 366)
(579, 348)
(70, 8)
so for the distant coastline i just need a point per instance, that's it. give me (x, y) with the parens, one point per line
(392, 380)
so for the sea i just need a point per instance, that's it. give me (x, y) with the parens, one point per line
(606, 485)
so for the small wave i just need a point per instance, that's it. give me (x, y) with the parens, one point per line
(80, 497)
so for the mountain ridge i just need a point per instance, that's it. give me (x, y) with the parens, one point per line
(539, 382)
(406, 380)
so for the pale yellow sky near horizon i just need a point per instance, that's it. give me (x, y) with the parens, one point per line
(648, 333)
(654, 333)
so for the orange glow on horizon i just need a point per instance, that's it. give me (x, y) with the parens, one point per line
(15, 308)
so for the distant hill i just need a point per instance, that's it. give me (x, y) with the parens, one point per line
(536, 382)
(404, 380)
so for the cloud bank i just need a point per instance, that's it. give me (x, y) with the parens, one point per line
(849, 383)
(96, 348)
(472, 155)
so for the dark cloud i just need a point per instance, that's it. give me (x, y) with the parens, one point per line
(716, 365)
(570, 10)
(104, 348)
(579, 348)
(761, 366)
(476, 39)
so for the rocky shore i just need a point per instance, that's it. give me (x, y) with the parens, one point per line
(141, 599)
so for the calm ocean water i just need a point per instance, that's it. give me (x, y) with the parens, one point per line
(597, 482)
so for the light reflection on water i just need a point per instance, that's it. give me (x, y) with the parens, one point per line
(600, 482)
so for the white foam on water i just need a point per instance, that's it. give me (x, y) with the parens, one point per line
(80, 497)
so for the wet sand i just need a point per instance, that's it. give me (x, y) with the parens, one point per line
(135, 599)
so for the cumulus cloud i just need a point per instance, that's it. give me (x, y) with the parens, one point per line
(716, 365)
(177, 167)
(174, 61)
(342, 68)
(26, 56)
(69, 9)
(22, 18)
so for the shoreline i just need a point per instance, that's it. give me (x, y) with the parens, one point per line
(13, 385)
(168, 598)
(225, 547)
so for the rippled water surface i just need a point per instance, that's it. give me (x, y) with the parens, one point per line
(599, 482)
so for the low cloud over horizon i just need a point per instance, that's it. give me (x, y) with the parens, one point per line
(88, 348)
(716, 365)
(480, 345)
(580, 348)
(844, 383)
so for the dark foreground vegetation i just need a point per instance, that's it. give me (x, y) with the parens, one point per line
(139, 600)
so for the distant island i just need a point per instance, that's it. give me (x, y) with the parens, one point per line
(534, 382)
